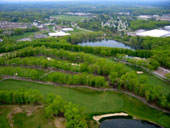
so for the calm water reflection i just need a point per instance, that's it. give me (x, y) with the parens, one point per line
(106, 43)
(127, 123)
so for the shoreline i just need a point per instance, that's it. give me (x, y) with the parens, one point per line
(99, 117)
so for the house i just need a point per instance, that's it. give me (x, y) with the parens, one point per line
(40, 36)
(60, 27)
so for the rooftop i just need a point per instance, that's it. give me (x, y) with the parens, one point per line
(40, 36)
(154, 33)
(60, 33)
(25, 39)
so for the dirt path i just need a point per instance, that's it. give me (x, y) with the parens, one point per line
(93, 88)
(59, 122)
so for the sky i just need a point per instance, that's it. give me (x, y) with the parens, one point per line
(72, 0)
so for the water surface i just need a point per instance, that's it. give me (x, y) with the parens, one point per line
(106, 43)
(127, 123)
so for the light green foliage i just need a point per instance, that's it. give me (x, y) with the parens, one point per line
(72, 113)
(20, 96)
(23, 72)
(147, 24)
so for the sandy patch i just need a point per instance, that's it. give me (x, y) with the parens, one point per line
(97, 118)
(59, 122)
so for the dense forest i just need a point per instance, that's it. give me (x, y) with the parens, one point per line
(147, 24)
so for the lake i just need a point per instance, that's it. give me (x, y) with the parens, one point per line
(106, 43)
(127, 123)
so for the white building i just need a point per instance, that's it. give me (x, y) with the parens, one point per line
(167, 28)
(154, 33)
(144, 17)
(24, 39)
(58, 34)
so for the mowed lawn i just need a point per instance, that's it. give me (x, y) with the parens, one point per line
(96, 102)
(37, 119)
(70, 18)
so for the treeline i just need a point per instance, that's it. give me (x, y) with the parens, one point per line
(56, 77)
(26, 16)
(20, 31)
(81, 37)
(131, 82)
(163, 57)
(21, 96)
(150, 43)
(43, 62)
(103, 51)
(150, 63)
(147, 24)
(159, 47)
(89, 63)
(34, 74)
(72, 112)
(100, 67)
(76, 79)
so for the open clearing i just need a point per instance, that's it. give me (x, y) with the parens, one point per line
(95, 102)
(16, 116)
(69, 18)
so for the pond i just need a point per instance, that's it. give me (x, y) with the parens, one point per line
(127, 123)
(106, 43)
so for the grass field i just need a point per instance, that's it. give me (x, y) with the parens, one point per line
(20, 120)
(69, 18)
(4, 110)
(96, 102)
(25, 35)
(37, 120)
